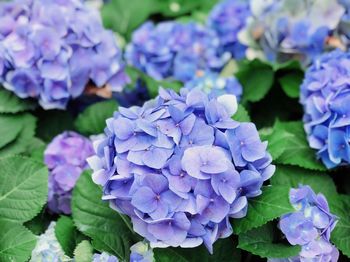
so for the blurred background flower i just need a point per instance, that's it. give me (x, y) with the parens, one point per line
(65, 157)
(227, 18)
(290, 29)
(50, 50)
(175, 50)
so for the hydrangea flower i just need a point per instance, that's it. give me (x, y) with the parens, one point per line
(180, 167)
(48, 248)
(325, 95)
(214, 85)
(104, 257)
(310, 226)
(175, 50)
(65, 158)
(50, 50)
(227, 18)
(299, 29)
(141, 252)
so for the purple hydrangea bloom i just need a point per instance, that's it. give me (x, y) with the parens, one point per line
(298, 29)
(325, 95)
(310, 226)
(214, 85)
(227, 18)
(50, 50)
(175, 50)
(104, 257)
(180, 167)
(65, 158)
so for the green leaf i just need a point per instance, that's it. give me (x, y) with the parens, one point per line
(260, 241)
(53, 122)
(224, 250)
(10, 103)
(23, 139)
(241, 115)
(83, 252)
(152, 85)
(23, 188)
(175, 8)
(125, 16)
(36, 149)
(290, 138)
(10, 127)
(287, 66)
(109, 230)
(341, 233)
(256, 78)
(16, 242)
(291, 83)
(272, 203)
(93, 120)
(293, 176)
(67, 235)
(40, 222)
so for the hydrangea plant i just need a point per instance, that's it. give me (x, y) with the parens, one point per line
(310, 226)
(175, 50)
(65, 157)
(281, 30)
(50, 50)
(180, 167)
(325, 95)
(227, 18)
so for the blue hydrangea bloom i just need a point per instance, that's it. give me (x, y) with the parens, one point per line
(65, 158)
(175, 50)
(50, 50)
(141, 252)
(227, 18)
(180, 167)
(281, 30)
(104, 257)
(214, 85)
(310, 226)
(325, 95)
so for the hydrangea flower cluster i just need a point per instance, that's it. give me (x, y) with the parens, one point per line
(104, 257)
(50, 50)
(180, 167)
(214, 85)
(175, 50)
(310, 226)
(325, 95)
(141, 252)
(227, 18)
(280, 30)
(65, 158)
(48, 248)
